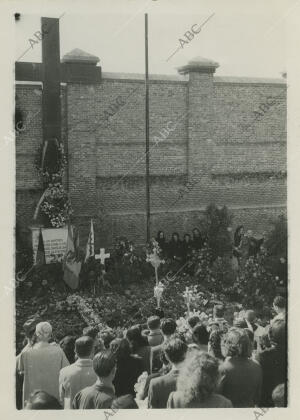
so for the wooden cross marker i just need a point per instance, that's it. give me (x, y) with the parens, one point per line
(102, 256)
(52, 72)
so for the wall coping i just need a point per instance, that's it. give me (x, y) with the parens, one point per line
(200, 209)
(160, 78)
(249, 80)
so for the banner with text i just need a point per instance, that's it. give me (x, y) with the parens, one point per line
(55, 243)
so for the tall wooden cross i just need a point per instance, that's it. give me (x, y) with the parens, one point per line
(51, 72)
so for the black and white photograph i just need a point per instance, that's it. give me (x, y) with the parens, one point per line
(150, 257)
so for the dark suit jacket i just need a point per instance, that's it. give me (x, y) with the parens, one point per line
(155, 360)
(128, 371)
(273, 362)
(160, 389)
(241, 381)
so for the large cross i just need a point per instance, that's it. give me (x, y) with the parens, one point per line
(51, 72)
(102, 256)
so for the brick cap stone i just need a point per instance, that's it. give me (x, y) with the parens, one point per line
(79, 56)
(199, 64)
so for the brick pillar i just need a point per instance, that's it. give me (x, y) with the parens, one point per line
(82, 147)
(200, 126)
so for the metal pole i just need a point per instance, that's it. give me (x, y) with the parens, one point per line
(147, 130)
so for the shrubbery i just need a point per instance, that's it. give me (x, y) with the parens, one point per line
(253, 284)
(216, 225)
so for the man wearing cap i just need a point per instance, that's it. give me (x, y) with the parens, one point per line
(41, 364)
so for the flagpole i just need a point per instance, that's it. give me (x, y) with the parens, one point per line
(147, 130)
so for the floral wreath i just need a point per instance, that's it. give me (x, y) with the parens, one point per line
(60, 162)
(54, 203)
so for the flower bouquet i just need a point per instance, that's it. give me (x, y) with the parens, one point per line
(154, 258)
(86, 311)
(139, 389)
(158, 291)
(193, 297)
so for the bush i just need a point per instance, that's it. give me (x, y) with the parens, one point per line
(255, 286)
(222, 275)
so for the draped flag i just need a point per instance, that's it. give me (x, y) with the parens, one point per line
(90, 246)
(72, 267)
(40, 254)
(76, 242)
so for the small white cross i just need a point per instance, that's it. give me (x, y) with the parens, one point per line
(102, 256)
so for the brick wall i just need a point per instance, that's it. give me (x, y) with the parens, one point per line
(220, 145)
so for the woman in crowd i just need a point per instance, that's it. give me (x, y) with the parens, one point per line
(237, 245)
(241, 378)
(161, 240)
(129, 367)
(215, 346)
(67, 344)
(186, 247)
(200, 338)
(139, 346)
(106, 337)
(197, 383)
(197, 240)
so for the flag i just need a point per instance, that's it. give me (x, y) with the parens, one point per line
(90, 246)
(44, 153)
(40, 258)
(71, 266)
(76, 242)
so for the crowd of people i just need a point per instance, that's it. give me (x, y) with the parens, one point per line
(211, 364)
(182, 249)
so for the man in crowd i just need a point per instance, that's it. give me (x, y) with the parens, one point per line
(192, 322)
(155, 336)
(41, 363)
(161, 387)
(93, 332)
(168, 328)
(273, 362)
(218, 322)
(257, 330)
(102, 393)
(80, 374)
(279, 306)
